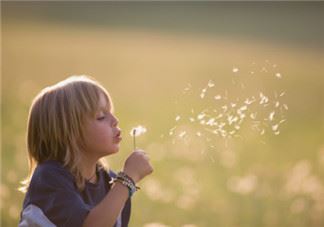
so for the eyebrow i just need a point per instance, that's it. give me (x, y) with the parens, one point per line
(106, 108)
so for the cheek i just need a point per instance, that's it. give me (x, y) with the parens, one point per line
(99, 134)
(104, 133)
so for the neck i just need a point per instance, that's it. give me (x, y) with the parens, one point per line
(88, 170)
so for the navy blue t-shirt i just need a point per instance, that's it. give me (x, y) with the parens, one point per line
(53, 199)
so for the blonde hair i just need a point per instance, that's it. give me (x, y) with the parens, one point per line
(55, 124)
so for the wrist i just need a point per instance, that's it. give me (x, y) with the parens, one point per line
(133, 177)
(127, 181)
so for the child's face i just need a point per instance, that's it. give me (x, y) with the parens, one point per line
(102, 136)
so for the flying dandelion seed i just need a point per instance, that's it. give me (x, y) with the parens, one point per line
(210, 83)
(201, 116)
(271, 116)
(275, 127)
(264, 69)
(203, 93)
(278, 75)
(182, 134)
(171, 131)
(253, 116)
(229, 112)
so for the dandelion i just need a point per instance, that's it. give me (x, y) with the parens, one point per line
(137, 131)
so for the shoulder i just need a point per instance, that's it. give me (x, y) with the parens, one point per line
(52, 173)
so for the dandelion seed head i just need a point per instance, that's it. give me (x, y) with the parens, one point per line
(137, 131)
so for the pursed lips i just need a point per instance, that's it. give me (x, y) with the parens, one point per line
(118, 136)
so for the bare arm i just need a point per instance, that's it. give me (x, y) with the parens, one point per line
(106, 212)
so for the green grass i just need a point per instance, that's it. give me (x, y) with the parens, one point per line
(145, 71)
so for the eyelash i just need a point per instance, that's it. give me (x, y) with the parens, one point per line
(101, 118)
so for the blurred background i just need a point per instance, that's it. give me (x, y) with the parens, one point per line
(156, 59)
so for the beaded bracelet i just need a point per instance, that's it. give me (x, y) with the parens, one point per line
(124, 176)
(124, 179)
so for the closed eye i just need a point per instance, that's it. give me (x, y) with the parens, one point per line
(101, 118)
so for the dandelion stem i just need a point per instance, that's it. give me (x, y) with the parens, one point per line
(134, 140)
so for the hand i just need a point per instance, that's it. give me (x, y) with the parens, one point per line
(137, 165)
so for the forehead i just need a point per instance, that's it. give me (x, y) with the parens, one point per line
(104, 103)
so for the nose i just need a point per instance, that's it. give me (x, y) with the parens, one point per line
(115, 121)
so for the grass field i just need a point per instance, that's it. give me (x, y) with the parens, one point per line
(252, 180)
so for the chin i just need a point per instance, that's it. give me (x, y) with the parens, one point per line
(115, 149)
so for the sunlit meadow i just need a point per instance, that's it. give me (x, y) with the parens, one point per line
(230, 96)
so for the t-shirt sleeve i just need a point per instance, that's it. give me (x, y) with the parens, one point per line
(52, 190)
